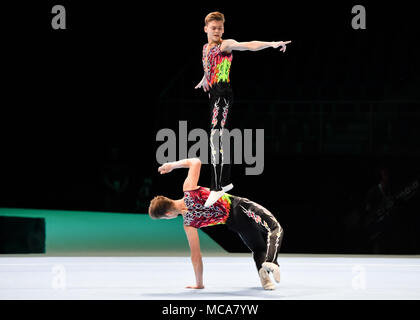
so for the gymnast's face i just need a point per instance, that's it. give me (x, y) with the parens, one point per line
(214, 30)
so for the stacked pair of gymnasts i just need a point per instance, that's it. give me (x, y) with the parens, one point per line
(202, 207)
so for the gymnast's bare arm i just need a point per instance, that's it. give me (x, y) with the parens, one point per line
(190, 183)
(194, 168)
(196, 259)
(230, 45)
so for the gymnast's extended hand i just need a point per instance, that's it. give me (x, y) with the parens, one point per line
(281, 44)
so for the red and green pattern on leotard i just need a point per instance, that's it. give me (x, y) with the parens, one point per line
(199, 216)
(216, 64)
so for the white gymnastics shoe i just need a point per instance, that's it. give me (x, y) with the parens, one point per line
(272, 267)
(265, 280)
(213, 197)
(216, 195)
(227, 188)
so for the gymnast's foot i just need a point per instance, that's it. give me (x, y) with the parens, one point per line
(265, 280)
(216, 195)
(272, 267)
(213, 197)
(228, 187)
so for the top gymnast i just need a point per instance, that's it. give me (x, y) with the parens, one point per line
(217, 59)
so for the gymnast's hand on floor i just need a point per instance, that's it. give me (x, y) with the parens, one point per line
(195, 287)
(165, 168)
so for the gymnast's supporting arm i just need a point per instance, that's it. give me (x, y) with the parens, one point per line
(190, 183)
(196, 259)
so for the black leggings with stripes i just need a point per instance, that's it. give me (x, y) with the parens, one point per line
(221, 100)
(258, 229)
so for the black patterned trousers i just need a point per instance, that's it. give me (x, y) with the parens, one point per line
(221, 100)
(258, 229)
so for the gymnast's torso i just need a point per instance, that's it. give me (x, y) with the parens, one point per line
(216, 64)
(198, 216)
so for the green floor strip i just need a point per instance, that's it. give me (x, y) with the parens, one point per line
(103, 233)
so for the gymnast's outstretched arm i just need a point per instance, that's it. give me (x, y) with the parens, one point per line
(230, 45)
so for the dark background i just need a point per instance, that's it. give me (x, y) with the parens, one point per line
(81, 108)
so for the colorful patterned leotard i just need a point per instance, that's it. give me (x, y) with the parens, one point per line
(216, 65)
(198, 216)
